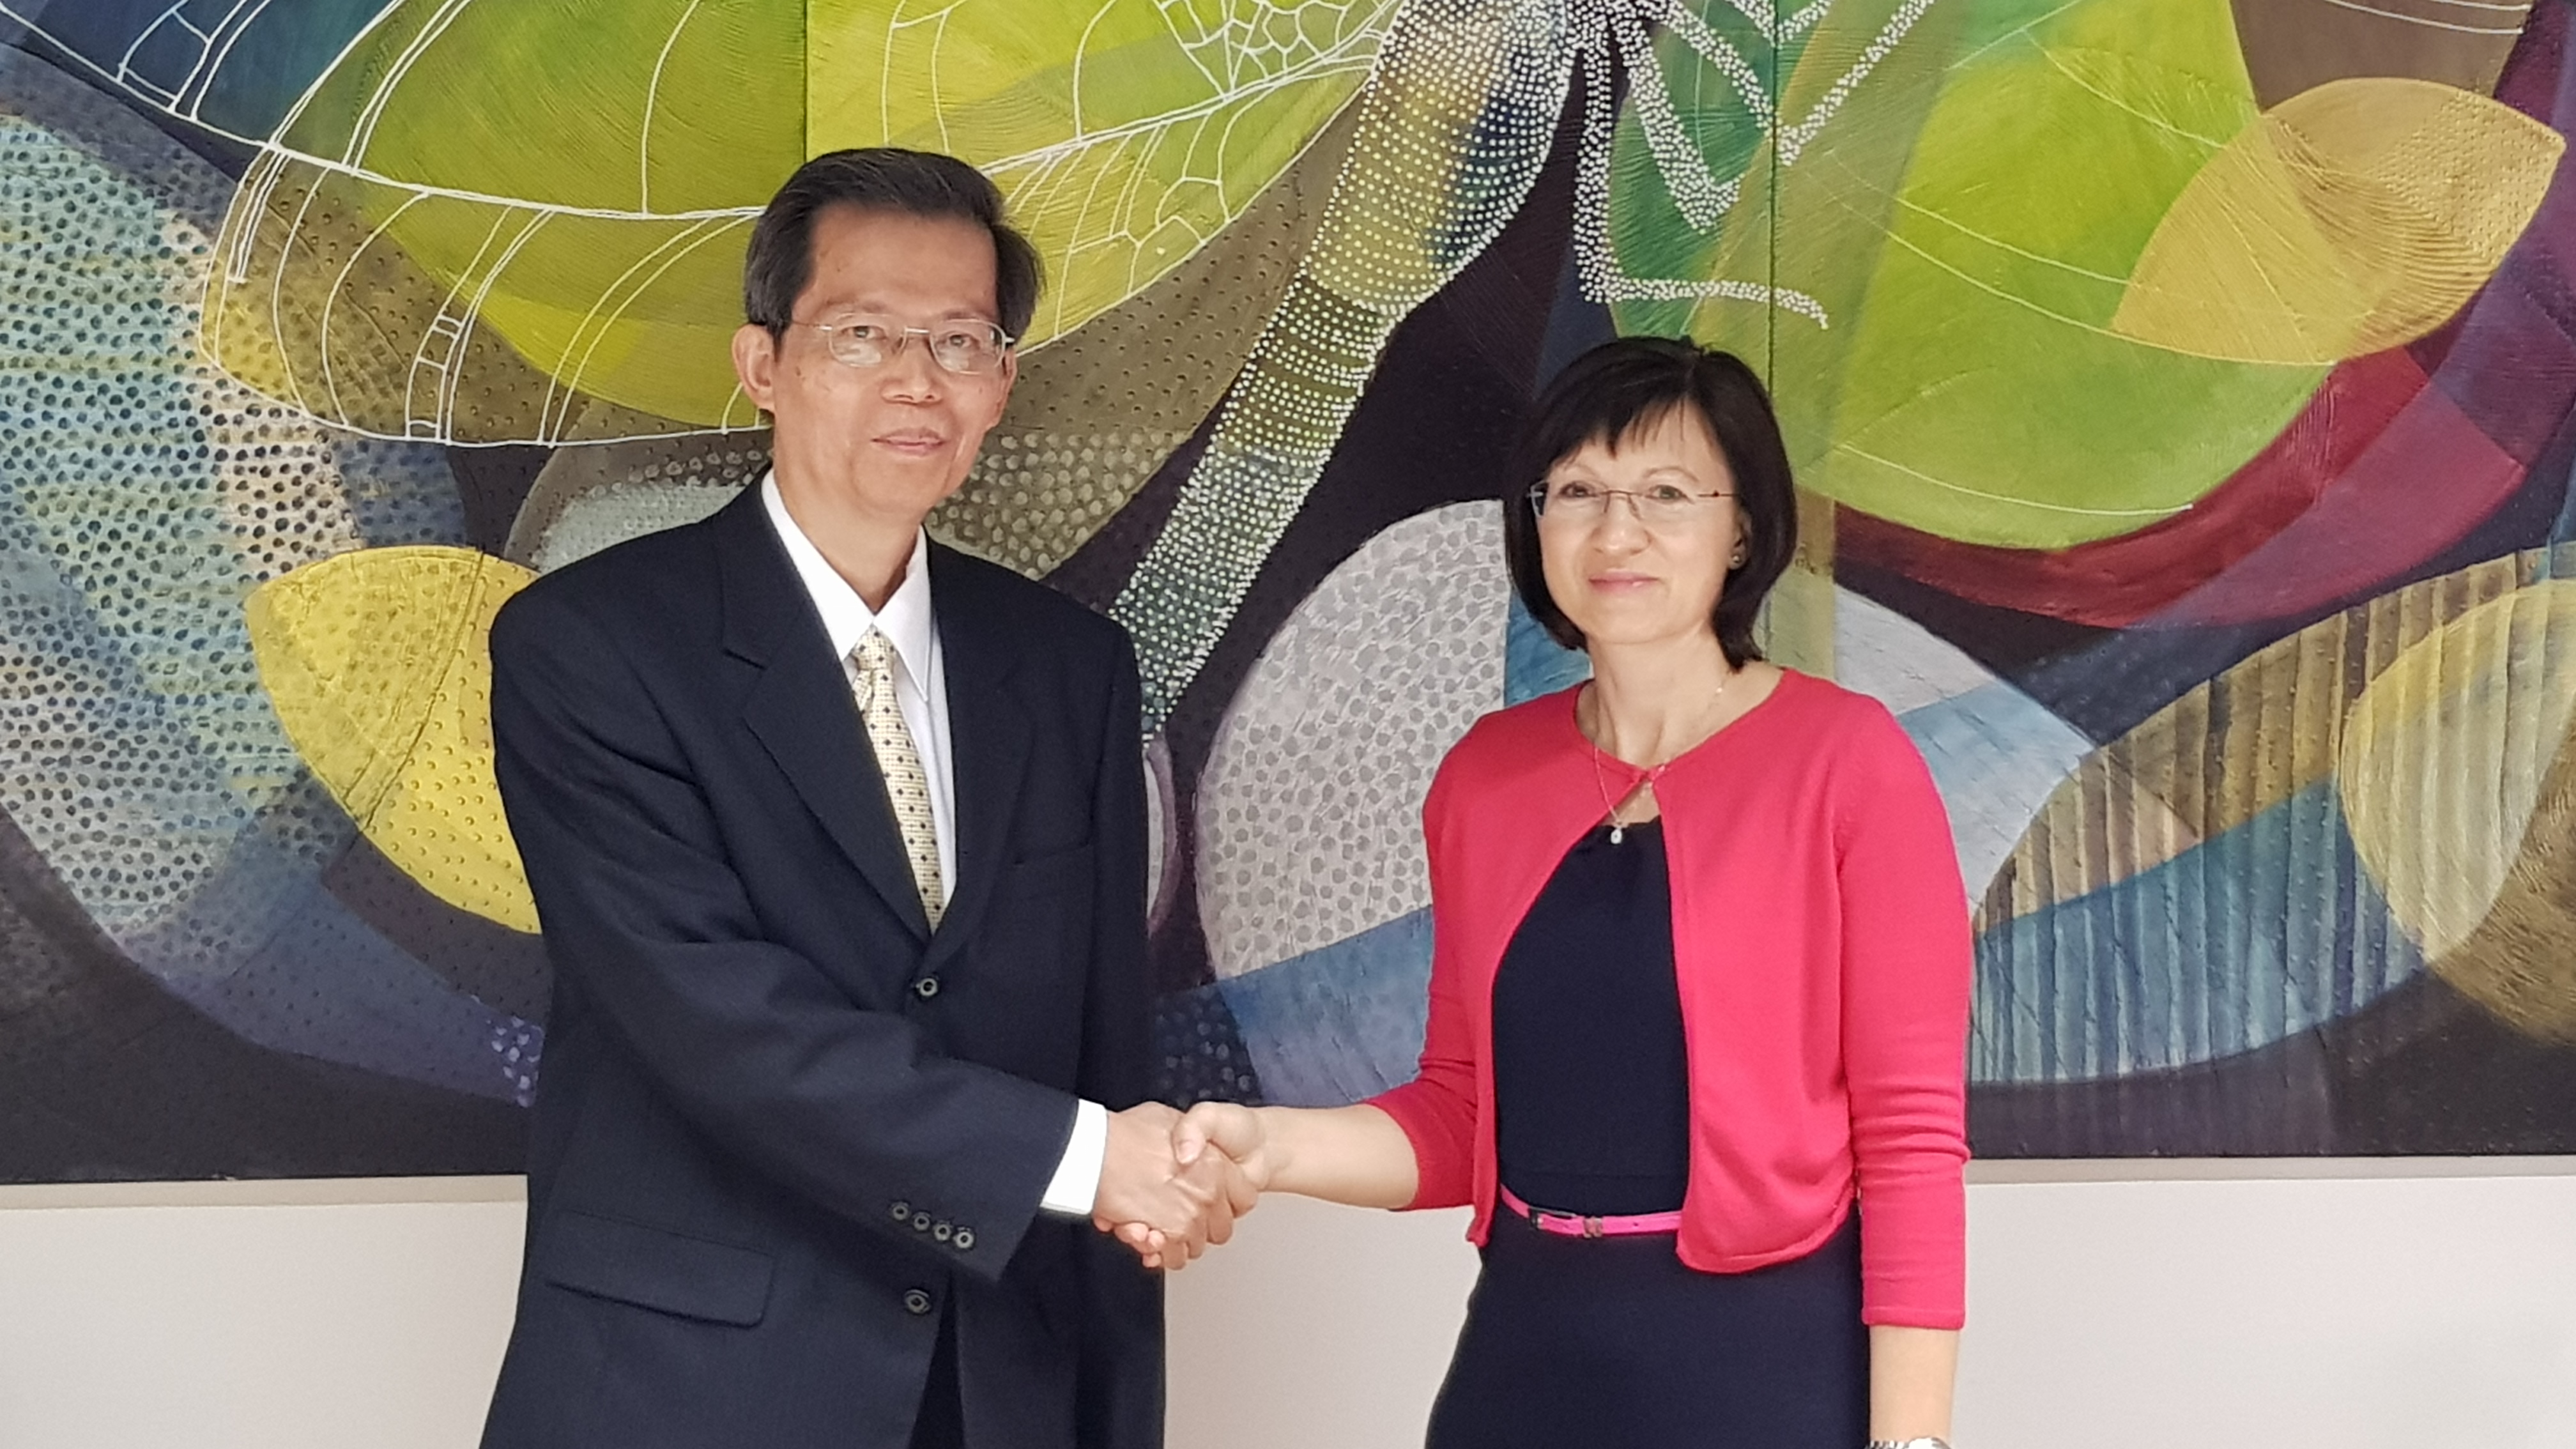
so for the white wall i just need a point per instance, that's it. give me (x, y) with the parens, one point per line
(2410, 1305)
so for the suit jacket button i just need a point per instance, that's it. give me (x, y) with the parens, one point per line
(926, 988)
(915, 1302)
(965, 1239)
(903, 1212)
(921, 1222)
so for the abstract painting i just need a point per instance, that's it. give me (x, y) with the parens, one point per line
(2182, 394)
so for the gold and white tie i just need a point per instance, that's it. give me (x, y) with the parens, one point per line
(907, 788)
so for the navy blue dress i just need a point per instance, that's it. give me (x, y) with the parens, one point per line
(1613, 1343)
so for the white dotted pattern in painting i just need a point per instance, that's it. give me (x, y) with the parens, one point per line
(1310, 809)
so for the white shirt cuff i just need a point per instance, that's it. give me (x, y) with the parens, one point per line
(1077, 1178)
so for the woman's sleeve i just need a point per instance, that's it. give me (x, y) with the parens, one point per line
(1437, 1109)
(1907, 967)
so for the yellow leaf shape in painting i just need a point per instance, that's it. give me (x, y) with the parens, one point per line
(377, 664)
(2348, 219)
(2245, 742)
(2516, 963)
(2444, 757)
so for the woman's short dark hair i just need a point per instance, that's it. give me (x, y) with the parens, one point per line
(1621, 391)
(879, 178)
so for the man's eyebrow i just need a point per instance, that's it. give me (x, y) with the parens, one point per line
(880, 308)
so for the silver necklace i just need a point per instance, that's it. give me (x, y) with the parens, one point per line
(1610, 808)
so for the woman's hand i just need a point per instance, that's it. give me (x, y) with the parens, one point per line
(1220, 1145)
(1354, 1155)
(1237, 1131)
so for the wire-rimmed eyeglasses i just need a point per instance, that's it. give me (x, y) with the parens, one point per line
(1661, 505)
(967, 347)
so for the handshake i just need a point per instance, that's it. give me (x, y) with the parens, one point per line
(1172, 1183)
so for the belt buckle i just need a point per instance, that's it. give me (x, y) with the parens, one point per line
(1588, 1227)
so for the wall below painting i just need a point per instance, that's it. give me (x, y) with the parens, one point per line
(2224, 1306)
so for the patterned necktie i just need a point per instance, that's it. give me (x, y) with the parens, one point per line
(907, 788)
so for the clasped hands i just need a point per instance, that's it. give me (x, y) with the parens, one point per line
(1172, 1184)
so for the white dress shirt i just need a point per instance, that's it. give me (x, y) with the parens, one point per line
(921, 693)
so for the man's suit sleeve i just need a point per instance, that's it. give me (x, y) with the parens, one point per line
(1120, 1394)
(853, 1109)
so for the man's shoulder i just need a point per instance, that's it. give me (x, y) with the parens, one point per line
(641, 587)
(1043, 618)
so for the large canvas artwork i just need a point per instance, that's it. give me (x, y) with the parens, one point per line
(2183, 396)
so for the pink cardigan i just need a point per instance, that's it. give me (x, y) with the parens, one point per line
(1820, 934)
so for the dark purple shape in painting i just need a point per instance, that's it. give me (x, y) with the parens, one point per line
(2420, 486)
(492, 483)
(2422, 1070)
(495, 965)
(2507, 372)
(2518, 338)
(108, 1077)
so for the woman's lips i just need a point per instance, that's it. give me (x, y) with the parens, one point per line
(1621, 583)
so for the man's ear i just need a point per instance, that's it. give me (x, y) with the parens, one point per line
(755, 363)
(1010, 375)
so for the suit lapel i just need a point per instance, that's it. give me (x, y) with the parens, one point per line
(800, 707)
(988, 732)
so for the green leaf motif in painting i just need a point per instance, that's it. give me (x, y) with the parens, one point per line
(1723, 93)
(1965, 202)
(496, 222)
(1125, 134)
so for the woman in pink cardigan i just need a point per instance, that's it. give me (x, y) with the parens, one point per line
(1699, 991)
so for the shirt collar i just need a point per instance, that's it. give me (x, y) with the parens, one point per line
(905, 619)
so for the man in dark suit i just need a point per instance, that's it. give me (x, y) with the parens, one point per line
(838, 839)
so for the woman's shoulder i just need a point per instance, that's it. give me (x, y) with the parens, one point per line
(1855, 745)
(1511, 739)
(1844, 741)
(1830, 715)
(1507, 747)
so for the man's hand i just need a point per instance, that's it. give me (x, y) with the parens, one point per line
(1216, 1142)
(1147, 1195)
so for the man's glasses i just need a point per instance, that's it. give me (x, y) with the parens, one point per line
(969, 348)
(1663, 505)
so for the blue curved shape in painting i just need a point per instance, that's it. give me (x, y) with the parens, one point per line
(1996, 754)
(1533, 663)
(2563, 532)
(1340, 1022)
(2268, 930)
(235, 67)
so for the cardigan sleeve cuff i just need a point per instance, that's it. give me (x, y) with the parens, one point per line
(1443, 1166)
(1952, 1317)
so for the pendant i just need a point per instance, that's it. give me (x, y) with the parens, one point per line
(1618, 833)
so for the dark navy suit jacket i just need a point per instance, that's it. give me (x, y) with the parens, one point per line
(782, 1127)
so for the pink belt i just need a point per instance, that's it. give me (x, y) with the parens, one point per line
(1569, 1225)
